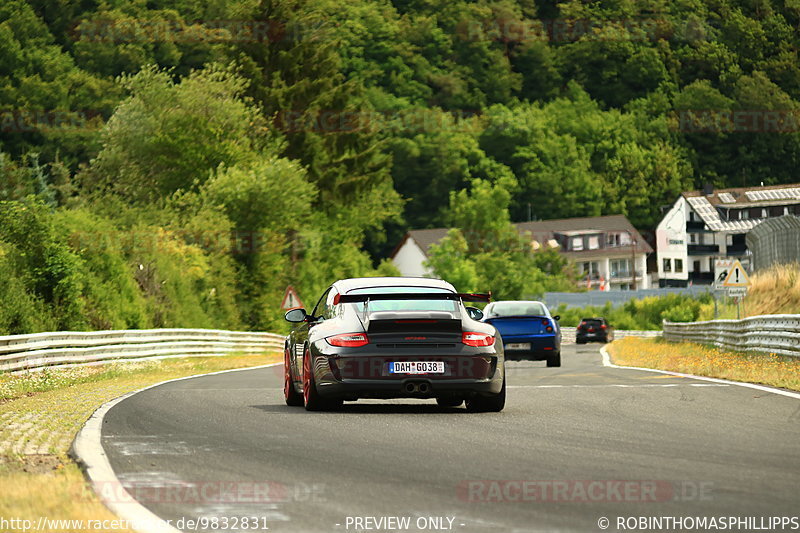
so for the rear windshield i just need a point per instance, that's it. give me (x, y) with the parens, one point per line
(592, 321)
(450, 306)
(517, 309)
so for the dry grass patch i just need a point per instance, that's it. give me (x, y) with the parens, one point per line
(775, 290)
(61, 494)
(689, 358)
(40, 414)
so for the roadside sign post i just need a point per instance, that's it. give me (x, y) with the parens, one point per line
(731, 277)
(290, 299)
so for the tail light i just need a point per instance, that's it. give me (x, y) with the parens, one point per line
(549, 329)
(472, 338)
(545, 322)
(348, 340)
(603, 326)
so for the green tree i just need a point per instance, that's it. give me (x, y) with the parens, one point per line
(169, 136)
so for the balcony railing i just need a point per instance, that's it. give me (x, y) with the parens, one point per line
(703, 249)
(695, 225)
(736, 249)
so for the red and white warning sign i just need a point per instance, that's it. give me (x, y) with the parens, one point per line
(290, 299)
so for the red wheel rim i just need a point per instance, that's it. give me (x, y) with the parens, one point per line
(287, 374)
(306, 375)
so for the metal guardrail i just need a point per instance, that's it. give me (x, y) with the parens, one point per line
(568, 334)
(37, 350)
(779, 334)
(616, 297)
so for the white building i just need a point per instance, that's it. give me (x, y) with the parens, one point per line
(608, 250)
(704, 225)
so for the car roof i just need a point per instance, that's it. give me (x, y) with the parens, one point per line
(346, 285)
(520, 302)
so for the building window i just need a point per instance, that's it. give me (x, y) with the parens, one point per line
(590, 268)
(693, 238)
(744, 214)
(763, 213)
(667, 265)
(613, 239)
(594, 242)
(692, 216)
(728, 239)
(679, 265)
(785, 210)
(577, 243)
(620, 268)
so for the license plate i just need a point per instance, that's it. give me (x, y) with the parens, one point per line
(518, 346)
(417, 367)
(590, 334)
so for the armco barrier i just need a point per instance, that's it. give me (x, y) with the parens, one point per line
(38, 350)
(779, 334)
(20, 352)
(568, 334)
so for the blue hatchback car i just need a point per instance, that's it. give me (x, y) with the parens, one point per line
(527, 329)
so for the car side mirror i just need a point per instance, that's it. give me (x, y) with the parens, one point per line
(475, 313)
(557, 317)
(296, 315)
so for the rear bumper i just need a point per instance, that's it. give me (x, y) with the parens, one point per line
(542, 347)
(352, 373)
(397, 388)
(599, 337)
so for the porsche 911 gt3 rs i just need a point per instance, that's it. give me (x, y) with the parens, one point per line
(393, 337)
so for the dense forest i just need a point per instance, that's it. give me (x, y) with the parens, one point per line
(179, 162)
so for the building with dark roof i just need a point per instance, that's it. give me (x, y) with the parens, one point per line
(702, 226)
(608, 250)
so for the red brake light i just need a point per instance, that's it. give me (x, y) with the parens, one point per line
(548, 329)
(472, 338)
(348, 340)
(545, 322)
(603, 326)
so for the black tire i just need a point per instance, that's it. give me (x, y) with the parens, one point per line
(290, 394)
(449, 402)
(311, 397)
(488, 404)
(554, 360)
(580, 342)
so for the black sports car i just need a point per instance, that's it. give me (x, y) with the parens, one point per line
(393, 337)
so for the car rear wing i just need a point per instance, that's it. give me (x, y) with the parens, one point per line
(465, 297)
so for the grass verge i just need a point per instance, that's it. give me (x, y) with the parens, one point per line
(690, 358)
(40, 414)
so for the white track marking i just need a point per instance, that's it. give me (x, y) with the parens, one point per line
(607, 362)
(88, 450)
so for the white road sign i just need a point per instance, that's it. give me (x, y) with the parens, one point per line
(722, 268)
(290, 299)
(737, 276)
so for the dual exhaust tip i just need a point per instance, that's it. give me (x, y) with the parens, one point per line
(417, 388)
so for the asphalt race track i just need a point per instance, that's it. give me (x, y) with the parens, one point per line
(574, 445)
